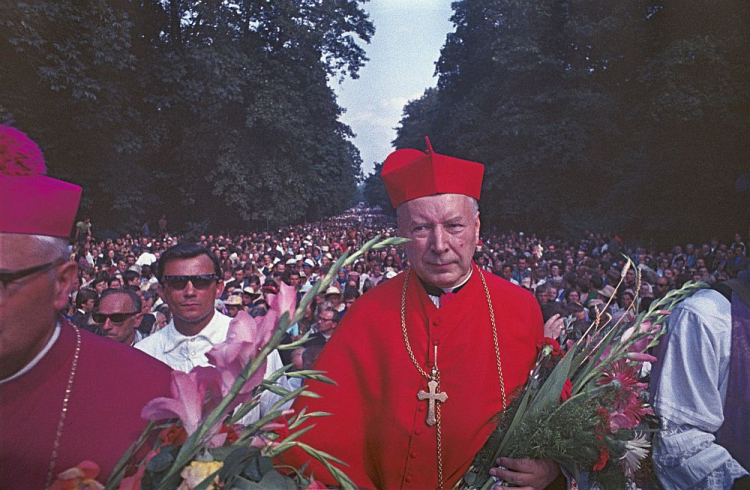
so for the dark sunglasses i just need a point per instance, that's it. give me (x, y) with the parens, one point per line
(200, 281)
(6, 278)
(113, 317)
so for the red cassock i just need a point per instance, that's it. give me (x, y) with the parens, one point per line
(378, 425)
(113, 382)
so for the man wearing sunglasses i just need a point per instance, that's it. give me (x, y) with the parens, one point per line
(118, 315)
(190, 282)
(66, 395)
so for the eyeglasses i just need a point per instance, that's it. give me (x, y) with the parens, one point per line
(7, 278)
(659, 285)
(116, 318)
(200, 281)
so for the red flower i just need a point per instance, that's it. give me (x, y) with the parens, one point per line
(603, 458)
(232, 435)
(550, 345)
(567, 391)
(173, 435)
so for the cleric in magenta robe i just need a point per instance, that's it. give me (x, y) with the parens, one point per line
(379, 425)
(66, 395)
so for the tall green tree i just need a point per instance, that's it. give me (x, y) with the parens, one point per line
(217, 112)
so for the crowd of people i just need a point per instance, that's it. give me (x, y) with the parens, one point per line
(177, 301)
(569, 278)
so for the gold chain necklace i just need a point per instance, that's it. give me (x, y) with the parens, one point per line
(434, 395)
(63, 413)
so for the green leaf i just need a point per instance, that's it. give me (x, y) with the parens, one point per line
(160, 462)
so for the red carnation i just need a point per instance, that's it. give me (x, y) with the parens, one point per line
(551, 344)
(603, 458)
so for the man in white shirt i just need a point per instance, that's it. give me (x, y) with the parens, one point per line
(190, 282)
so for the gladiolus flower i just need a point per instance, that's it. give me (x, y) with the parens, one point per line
(189, 392)
(640, 357)
(80, 477)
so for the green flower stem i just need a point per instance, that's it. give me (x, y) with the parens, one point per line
(196, 441)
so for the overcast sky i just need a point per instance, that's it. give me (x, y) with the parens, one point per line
(408, 37)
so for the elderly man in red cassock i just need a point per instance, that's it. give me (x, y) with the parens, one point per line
(424, 361)
(66, 395)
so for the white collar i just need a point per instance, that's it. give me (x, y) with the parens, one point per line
(214, 333)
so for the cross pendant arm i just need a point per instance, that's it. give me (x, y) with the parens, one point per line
(432, 396)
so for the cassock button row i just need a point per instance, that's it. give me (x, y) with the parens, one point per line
(413, 455)
(435, 323)
(421, 408)
(436, 342)
(418, 432)
(407, 479)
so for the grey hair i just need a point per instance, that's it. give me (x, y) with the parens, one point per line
(474, 205)
(50, 247)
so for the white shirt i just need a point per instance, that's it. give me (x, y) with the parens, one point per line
(689, 392)
(183, 353)
(146, 258)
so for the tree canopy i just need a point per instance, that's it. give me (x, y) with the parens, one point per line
(218, 112)
(627, 117)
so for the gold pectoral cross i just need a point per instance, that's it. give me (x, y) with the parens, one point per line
(432, 396)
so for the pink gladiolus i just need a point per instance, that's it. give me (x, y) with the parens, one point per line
(190, 392)
(244, 340)
(640, 357)
(278, 304)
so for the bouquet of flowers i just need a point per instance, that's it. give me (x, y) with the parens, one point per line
(196, 439)
(583, 408)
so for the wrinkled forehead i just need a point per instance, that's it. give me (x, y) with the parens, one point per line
(439, 207)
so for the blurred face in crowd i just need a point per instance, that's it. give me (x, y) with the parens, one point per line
(191, 304)
(326, 324)
(88, 305)
(29, 305)
(118, 318)
(444, 230)
(116, 284)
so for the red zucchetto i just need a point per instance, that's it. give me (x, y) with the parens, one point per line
(30, 202)
(410, 174)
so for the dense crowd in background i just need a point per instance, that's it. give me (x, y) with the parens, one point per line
(575, 279)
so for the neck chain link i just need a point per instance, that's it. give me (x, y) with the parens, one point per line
(64, 412)
(435, 374)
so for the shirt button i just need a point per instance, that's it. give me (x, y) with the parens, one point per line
(413, 455)
(421, 408)
(436, 342)
(418, 432)
(435, 323)
(407, 479)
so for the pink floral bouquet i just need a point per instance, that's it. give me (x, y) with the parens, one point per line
(583, 408)
(196, 439)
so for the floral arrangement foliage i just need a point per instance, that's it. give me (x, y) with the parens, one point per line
(584, 408)
(197, 438)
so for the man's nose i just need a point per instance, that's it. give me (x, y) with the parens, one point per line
(439, 239)
(189, 289)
